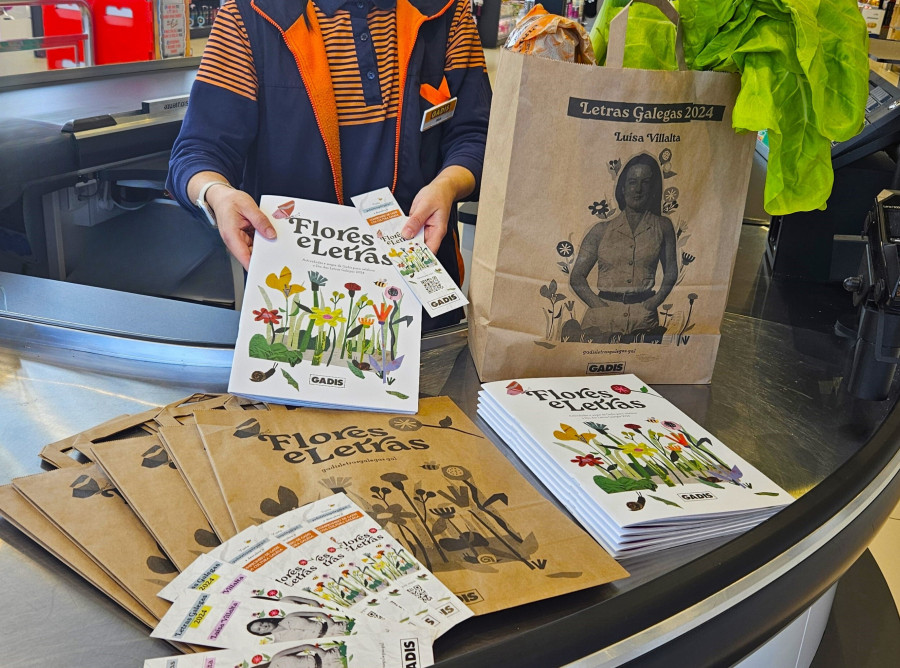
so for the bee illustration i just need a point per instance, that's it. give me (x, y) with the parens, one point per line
(381, 282)
(637, 505)
(260, 376)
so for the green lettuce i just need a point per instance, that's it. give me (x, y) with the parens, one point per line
(804, 77)
(649, 37)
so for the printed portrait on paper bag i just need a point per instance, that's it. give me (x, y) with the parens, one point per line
(626, 266)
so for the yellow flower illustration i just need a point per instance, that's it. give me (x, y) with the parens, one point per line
(282, 282)
(637, 449)
(326, 316)
(570, 434)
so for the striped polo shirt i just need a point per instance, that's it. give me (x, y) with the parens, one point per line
(360, 40)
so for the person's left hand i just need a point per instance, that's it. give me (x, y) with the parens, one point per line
(431, 207)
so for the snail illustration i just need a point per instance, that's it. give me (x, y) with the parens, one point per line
(637, 505)
(260, 376)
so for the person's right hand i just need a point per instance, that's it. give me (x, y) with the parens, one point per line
(237, 216)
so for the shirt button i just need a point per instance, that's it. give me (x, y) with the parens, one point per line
(370, 75)
(364, 37)
(625, 314)
(630, 262)
(360, 4)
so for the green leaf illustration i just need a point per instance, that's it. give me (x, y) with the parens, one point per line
(665, 501)
(356, 372)
(260, 348)
(290, 380)
(766, 493)
(397, 394)
(711, 484)
(623, 484)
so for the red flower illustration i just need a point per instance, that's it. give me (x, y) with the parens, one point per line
(273, 613)
(633, 427)
(272, 592)
(621, 389)
(373, 530)
(267, 316)
(256, 659)
(679, 438)
(352, 288)
(587, 460)
(332, 549)
(382, 312)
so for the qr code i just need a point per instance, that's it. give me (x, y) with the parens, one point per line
(431, 284)
(419, 593)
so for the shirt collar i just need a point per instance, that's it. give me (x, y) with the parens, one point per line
(330, 7)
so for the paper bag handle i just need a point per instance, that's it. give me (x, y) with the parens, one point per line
(615, 51)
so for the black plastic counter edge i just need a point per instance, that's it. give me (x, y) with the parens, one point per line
(599, 626)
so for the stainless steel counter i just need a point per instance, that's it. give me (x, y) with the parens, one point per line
(775, 399)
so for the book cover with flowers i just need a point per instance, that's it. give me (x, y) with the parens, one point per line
(326, 319)
(612, 444)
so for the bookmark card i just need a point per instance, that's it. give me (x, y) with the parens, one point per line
(228, 622)
(86, 507)
(300, 572)
(418, 266)
(185, 447)
(141, 470)
(395, 650)
(373, 558)
(214, 576)
(29, 520)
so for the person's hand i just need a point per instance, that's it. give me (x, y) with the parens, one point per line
(431, 207)
(237, 217)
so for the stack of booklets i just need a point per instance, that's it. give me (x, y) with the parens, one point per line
(322, 584)
(210, 496)
(638, 474)
(327, 320)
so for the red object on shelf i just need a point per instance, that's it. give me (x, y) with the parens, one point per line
(122, 32)
(63, 19)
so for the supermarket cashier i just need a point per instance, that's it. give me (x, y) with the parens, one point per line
(324, 100)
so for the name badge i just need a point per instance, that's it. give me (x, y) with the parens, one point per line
(438, 114)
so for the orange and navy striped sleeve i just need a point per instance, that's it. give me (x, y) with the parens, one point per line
(463, 43)
(227, 59)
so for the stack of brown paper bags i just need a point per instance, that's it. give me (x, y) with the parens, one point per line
(134, 500)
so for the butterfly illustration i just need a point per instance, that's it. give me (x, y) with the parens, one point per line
(284, 210)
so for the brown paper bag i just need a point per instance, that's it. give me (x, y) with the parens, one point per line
(433, 480)
(185, 447)
(60, 453)
(84, 505)
(27, 519)
(142, 471)
(608, 221)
